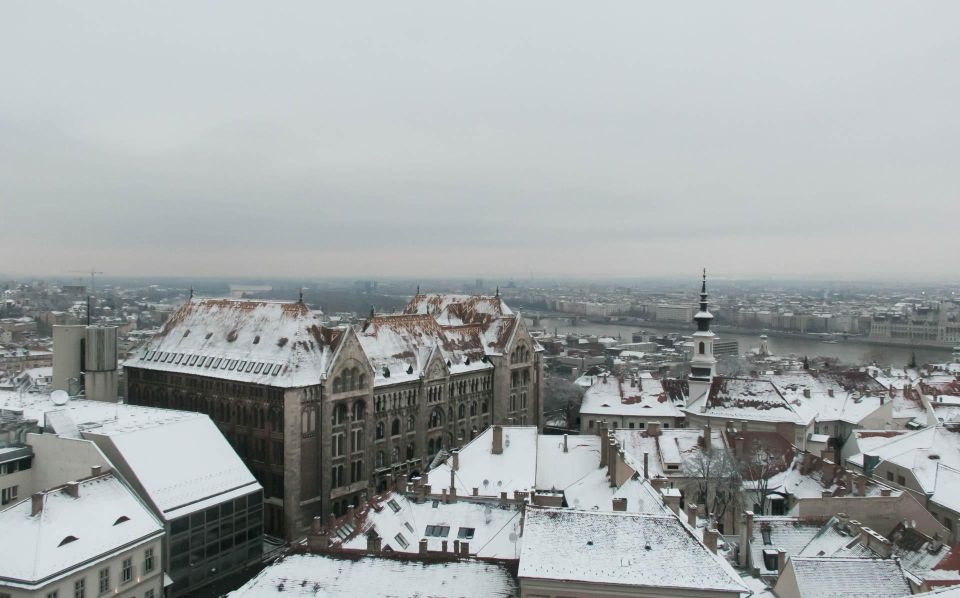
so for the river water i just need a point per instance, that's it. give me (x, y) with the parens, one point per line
(848, 352)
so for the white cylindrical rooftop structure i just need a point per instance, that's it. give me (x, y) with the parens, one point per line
(68, 342)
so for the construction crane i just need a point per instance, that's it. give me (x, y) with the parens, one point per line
(93, 273)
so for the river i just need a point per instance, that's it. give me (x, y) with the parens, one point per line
(848, 352)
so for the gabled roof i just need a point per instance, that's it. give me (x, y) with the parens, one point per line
(273, 343)
(750, 399)
(71, 531)
(643, 397)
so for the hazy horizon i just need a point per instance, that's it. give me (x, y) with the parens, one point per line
(496, 140)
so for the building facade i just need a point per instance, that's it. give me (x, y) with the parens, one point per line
(324, 416)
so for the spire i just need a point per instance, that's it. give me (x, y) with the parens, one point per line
(371, 312)
(191, 292)
(703, 316)
(301, 295)
(498, 291)
(418, 289)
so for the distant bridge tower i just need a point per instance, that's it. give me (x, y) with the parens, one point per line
(703, 365)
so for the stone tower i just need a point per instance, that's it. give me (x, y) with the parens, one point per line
(703, 365)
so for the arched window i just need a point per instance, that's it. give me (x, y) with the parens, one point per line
(436, 418)
(380, 457)
(380, 430)
(395, 455)
(362, 381)
(473, 408)
(410, 451)
(337, 384)
(703, 348)
(339, 414)
(395, 427)
(411, 423)
(358, 409)
(461, 411)
(483, 407)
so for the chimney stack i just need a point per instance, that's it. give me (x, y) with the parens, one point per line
(36, 504)
(95, 471)
(464, 548)
(691, 514)
(653, 429)
(73, 489)
(498, 440)
(423, 547)
(706, 438)
(476, 491)
(374, 542)
(565, 443)
(781, 560)
(456, 460)
(710, 537)
(646, 466)
(620, 504)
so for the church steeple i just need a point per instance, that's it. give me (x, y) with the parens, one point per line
(703, 364)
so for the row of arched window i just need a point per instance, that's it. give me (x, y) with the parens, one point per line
(521, 354)
(350, 379)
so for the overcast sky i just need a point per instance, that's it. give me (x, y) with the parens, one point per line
(481, 138)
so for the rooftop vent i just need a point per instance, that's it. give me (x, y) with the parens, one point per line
(67, 540)
(121, 519)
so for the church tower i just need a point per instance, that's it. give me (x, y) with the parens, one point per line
(703, 365)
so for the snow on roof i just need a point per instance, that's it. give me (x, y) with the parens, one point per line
(175, 475)
(330, 576)
(644, 397)
(831, 577)
(750, 399)
(946, 492)
(456, 310)
(593, 493)
(70, 532)
(401, 523)
(515, 469)
(620, 549)
(922, 452)
(274, 343)
(667, 451)
(558, 470)
(790, 534)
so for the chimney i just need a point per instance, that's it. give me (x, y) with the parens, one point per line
(443, 493)
(423, 547)
(564, 443)
(653, 429)
(691, 514)
(620, 504)
(646, 466)
(829, 392)
(316, 525)
(443, 546)
(464, 548)
(95, 471)
(842, 520)
(503, 496)
(73, 489)
(352, 514)
(743, 425)
(456, 547)
(738, 447)
(456, 460)
(453, 482)
(706, 438)
(826, 494)
(497, 440)
(781, 560)
(884, 492)
(427, 489)
(861, 484)
(806, 393)
(36, 504)
(476, 491)
(710, 537)
(746, 536)
(374, 542)
(614, 463)
(604, 456)
(827, 471)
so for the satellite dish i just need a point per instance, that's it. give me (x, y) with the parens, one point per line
(59, 397)
(513, 537)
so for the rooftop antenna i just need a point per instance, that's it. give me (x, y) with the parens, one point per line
(418, 289)
(88, 310)
(93, 273)
(301, 294)
(498, 291)
(191, 292)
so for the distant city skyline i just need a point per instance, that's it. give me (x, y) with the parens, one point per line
(498, 140)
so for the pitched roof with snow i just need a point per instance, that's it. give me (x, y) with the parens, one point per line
(831, 577)
(614, 548)
(339, 576)
(274, 343)
(190, 475)
(751, 399)
(70, 531)
(642, 397)
(922, 452)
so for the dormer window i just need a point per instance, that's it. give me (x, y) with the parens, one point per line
(67, 540)
(121, 519)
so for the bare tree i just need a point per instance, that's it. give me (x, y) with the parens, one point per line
(758, 467)
(716, 479)
(561, 394)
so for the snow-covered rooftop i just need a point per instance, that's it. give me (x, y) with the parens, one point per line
(72, 531)
(923, 452)
(274, 343)
(492, 530)
(179, 477)
(831, 577)
(614, 548)
(329, 576)
(750, 399)
(640, 397)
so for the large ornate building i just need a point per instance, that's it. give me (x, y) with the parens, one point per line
(323, 415)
